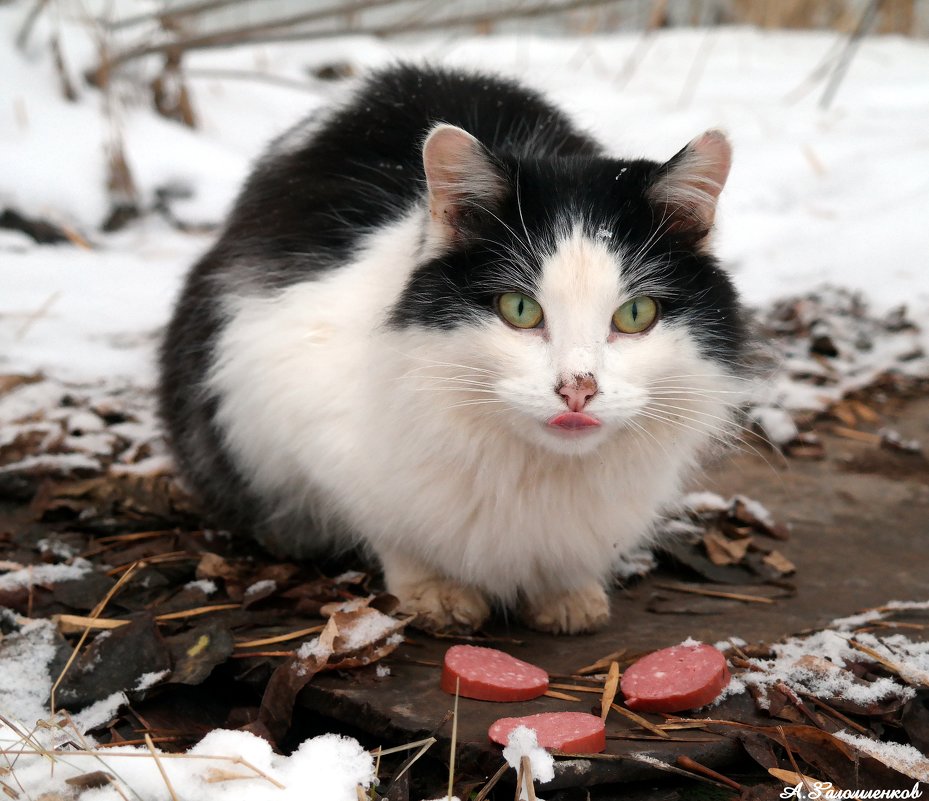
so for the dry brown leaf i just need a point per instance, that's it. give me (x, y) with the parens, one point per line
(779, 562)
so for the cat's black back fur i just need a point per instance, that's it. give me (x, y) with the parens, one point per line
(307, 205)
(303, 210)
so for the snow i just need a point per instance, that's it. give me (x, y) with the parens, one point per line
(44, 574)
(814, 197)
(524, 742)
(206, 586)
(232, 766)
(904, 758)
(265, 585)
(25, 657)
(147, 680)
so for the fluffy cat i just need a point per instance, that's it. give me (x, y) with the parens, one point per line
(443, 324)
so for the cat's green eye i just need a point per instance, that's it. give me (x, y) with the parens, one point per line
(519, 310)
(635, 315)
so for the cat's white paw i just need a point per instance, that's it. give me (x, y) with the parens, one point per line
(443, 605)
(586, 609)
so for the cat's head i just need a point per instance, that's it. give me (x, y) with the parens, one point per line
(572, 299)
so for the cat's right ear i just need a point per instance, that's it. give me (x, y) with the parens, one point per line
(462, 179)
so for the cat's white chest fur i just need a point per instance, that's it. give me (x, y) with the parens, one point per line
(428, 446)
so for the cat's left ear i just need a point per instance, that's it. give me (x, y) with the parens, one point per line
(462, 178)
(689, 185)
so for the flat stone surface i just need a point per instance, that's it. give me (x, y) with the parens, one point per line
(858, 522)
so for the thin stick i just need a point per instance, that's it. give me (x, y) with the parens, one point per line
(293, 635)
(561, 696)
(601, 664)
(451, 761)
(161, 768)
(838, 74)
(491, 783)
(732, 596)
(95, 613)
(640, 721)
(696, 767)
(526, 766)
(575, 688)
(269, 32)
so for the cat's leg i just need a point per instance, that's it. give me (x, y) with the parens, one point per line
(440, 603)
(571, 612)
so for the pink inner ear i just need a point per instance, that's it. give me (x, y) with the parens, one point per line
(713, 150)
(458, 171)
(690, 188)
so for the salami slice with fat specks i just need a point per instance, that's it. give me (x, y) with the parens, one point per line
(491, 675)
(675, 679)
(571, 732)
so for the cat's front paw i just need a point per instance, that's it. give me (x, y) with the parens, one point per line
(444, 605)
(586, 609)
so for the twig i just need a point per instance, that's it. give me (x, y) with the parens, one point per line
(22, 38)
(95, 613)
(696, 68)
(696, 767)
(845, 59)
(602, 664)
(451, 761)
(640, 721)
(293, 635)
(576, 688)
(560, 696)
(491, 783)
(37, 315)
(732, 596)
(268, 32)
(526, 771)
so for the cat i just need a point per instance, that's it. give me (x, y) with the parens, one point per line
(441, 323)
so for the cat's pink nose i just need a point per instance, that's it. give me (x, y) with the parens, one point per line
(578, 391)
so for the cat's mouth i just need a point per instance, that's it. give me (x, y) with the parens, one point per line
(574, 421)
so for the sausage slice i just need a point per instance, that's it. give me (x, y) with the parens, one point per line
(571, 732)
(491, 675)
(674, 679)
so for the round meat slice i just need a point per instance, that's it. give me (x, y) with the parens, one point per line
(675, 679)
(491, 675)
(571, 732)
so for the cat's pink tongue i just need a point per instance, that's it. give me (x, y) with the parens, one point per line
(573, 421)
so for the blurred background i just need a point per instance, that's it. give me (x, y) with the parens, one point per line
(127, 126)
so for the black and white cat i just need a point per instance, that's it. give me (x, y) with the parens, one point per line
(441, 323)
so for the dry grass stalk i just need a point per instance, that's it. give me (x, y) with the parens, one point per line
(71, 624)
(54, 753)
(451, 761)
(292, 635)
(602, 664)
(575, 688)
(95, 613)
(161, 768)
(793, 779)
(561, 696)
(855, 434)
(909, 675)
(609, 690)
(732, 596)
(640, 721)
